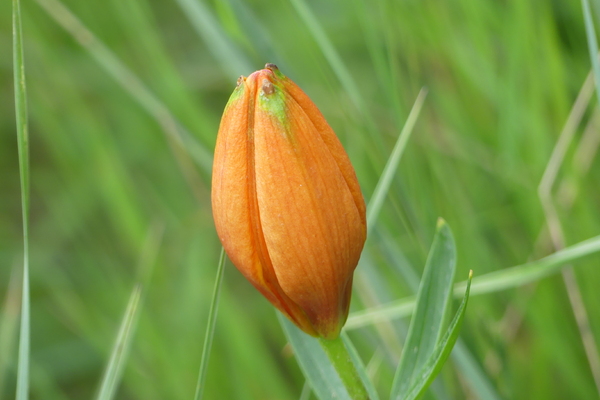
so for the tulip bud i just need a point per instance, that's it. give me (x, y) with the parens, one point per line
(286, 202)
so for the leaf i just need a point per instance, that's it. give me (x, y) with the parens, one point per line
(433, 366)
(479, 383)
(433, 300)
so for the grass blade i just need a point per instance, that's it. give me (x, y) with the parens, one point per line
(590, 32)
(442, 350)
(532, 271)
(493, 282)
(364, 283)
(468, 365)
(230, 58)
(210, 327)
(114, 368)
(383, 185)
(433, 300)
(306, 392)
(23, 146)
(330, 53)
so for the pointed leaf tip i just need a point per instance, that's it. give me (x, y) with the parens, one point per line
(441, 222)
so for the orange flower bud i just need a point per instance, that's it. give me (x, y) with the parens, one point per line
(286, 202)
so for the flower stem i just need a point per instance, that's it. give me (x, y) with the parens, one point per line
(340, 358)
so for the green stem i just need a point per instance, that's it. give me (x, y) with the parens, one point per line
(340, 358)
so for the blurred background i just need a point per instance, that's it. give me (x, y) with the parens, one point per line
(125, 98)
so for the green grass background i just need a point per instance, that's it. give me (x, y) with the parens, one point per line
(120, 184)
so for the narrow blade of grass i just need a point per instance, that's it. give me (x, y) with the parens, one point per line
(210, 327)
(590, 32)
(493, 282)
(470, 368)
(23, 146)
(365, 274)
(433, 301)
(114, 368)
(330, 53)
(231, 59)
(306, 392)
(383, 185)
(531, 271)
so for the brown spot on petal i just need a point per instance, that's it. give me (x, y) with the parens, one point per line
(241, 80)
(272, 67)
(267, 87)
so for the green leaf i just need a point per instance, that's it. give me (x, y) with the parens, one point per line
(479, 383)
(433, 366)
(433, 300)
